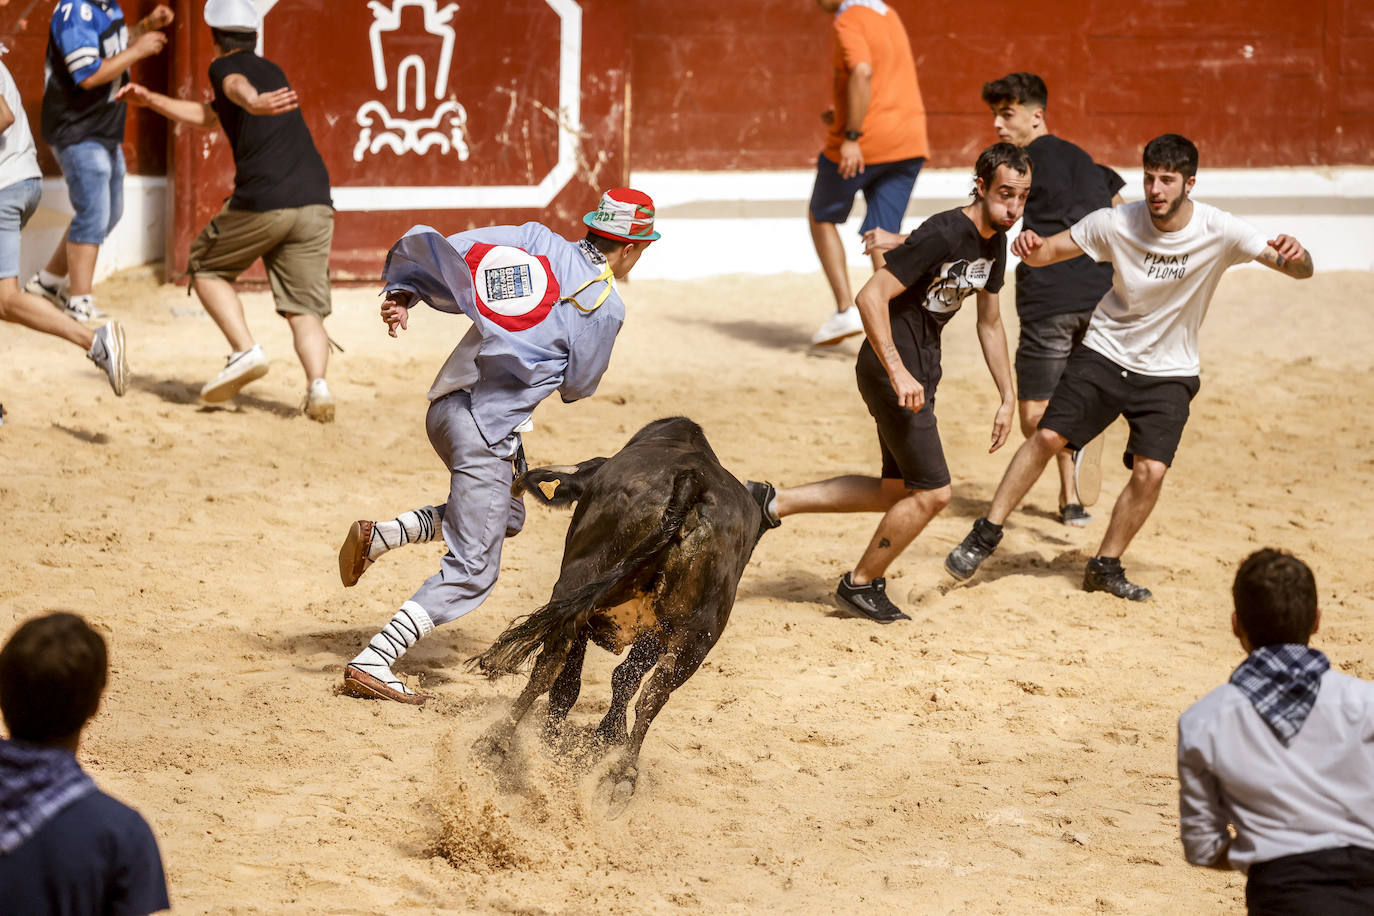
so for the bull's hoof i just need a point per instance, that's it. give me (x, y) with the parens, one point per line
(619, 785)
(493, 747)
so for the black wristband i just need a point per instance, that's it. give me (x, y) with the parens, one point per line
(853, 134)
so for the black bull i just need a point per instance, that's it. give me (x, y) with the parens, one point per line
(657, 544)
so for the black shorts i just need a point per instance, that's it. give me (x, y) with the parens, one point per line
(1094, 391)
(908, 440)
(1043, 351)
(1333, 882)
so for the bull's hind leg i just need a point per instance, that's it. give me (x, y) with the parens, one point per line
(566, 689)
(679, 663)
(494, 744)
(625, 680)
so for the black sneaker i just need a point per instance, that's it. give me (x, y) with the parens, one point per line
(763, 493)
(1074, 515)
(964, 560)
(868, 601)
(1105, 574)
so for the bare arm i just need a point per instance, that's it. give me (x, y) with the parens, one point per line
(6, 115)
(859, 92)
(1287, 256)
(112, 68)
(183, 111)
(1041, 252)
(992, 337)
(243, 94)
(1116, 200)
(159, 18)
(872, 304)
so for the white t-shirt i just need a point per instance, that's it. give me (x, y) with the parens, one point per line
(1162, 282)
(18, 157)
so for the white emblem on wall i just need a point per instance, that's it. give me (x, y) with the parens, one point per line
(411, 128)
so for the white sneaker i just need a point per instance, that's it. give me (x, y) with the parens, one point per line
(319, 402)
(242, 367)
(54, 294)
(107, 352)
(839, 326)
(83, 308)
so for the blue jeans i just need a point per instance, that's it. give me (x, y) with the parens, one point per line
(17, 203)
(95, 182)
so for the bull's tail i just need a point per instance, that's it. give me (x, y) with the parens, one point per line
(556, 624)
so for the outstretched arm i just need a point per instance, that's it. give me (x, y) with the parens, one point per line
(1041, 252)
(245, 95)
(1287, 256)
(992, 337)
(183, 111)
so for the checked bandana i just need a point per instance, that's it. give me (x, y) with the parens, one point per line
(1282, 682)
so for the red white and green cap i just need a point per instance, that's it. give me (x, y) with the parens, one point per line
(625, 215)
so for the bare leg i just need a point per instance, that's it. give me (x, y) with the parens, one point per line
(1025, 469)
(1031, 412)
(41, 315)
(830, 250)
(223, 305)
(850, 493)
(312, 344)
(907, 518)
(57, 264)
(80, 267)
(1133, 506)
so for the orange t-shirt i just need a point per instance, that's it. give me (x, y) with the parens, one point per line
(895, 125)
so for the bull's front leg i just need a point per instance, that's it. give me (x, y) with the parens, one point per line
(625, 680)
(494, 744)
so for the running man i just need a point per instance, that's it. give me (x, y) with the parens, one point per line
(545, 313)
(1139, 358)
(905, 307)
(876, 143)
(281, 209)
(1053, 303)
(21, 188)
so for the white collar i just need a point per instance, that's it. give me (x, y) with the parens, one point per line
(877, 5)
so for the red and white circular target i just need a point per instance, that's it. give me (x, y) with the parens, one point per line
(513, 288)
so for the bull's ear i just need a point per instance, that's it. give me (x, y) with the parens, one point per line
(558, 486)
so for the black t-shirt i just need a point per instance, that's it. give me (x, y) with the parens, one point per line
(943, 262)
(276, 164)
(1065, 187)
(94, 856)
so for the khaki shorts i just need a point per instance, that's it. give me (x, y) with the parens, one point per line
(293, 244)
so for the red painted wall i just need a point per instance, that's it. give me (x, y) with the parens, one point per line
(720, 84)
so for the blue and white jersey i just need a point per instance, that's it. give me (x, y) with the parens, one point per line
(544, 310)
(83, 33)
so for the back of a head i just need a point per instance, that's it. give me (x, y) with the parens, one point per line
(1023, 88)
(1171, 153)
(52, 672)
(1276, 598)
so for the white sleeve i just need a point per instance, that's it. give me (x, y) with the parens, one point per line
(1202, 819)
(1245, 241)
(1093, 233)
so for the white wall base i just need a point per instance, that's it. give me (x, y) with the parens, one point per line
(755, 223)
(137, 239)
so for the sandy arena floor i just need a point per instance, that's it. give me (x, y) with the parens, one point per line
(1010, 750)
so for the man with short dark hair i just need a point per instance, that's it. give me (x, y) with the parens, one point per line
(65, 846)
(1139, 357)
(1284, 754)
(545, 314)
(1053, 303)
(281, 209)
(905, 307)
(876, 143)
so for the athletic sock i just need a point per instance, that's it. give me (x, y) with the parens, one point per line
(52, 281)
(81, 302)
(409, 625)
(414, 527)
